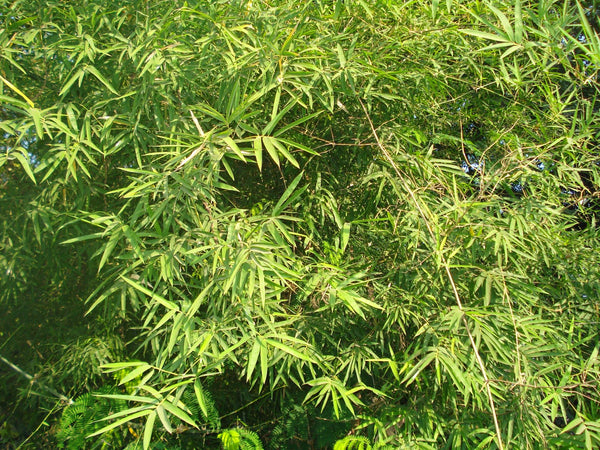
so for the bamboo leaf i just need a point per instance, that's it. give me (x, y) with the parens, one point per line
(264, 361)
(177, 412)
(284, 200)
(17, 90)
(233, 146)
(76, 76)
(160, 410)
(100, 77)
(295, 123)
(519, 28)
(138, 371)
(277, 118)
(257, 144)
(166, 303)
(411, 376)
(120, 422)
(504, 21)
(252, 359)
(127, 412)
(24, 163)
(345, 236)
(288, 349)
(270, 146)
(129, 398)
(148, 430)
(37, 120)
(486, 35)
(201, 398)
(284, 151)
(112, 367)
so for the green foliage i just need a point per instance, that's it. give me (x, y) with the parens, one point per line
(240, 439)
(80, 361)
(353, 443)
(83, 417)
(318, 219)
(358, 443)
(302, 425)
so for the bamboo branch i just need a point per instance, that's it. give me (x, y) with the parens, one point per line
(448, 273)
(34, 380)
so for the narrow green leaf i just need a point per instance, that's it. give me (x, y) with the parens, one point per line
(394, 369)
(264, 361)
(233, 146)
(350, 300)
(289, 350)
(211, 112)
(268, 142)
(24, 163)
(83, 238)
(17, 90)
(295, 123)
(199, 391)
(193, 309)
(37, 120)
(281, 204)
(122, 365)
(275, 120)
(120, 422)
(108, 248)
(434, 8)
(134, 240)
(77, 75)
(100, 77)
(261, 285)
(284, 151)
(134, 373)
(126, 412)
(571, 425)
(163, 301)
(177, 412)
(252, 359)
(275, 107)
(504, 21)
(519, 28)
(129, 398)
(345, 236)
(485, 35)
(341, 56)
(148, 430)
(418, 368)
(160, 410)
(299, 146)
(258, 152)
(14, 102)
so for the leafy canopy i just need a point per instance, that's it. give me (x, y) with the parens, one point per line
(376, 217)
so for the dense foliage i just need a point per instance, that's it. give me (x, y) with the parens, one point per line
(300, 224)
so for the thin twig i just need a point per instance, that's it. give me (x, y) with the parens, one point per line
(43, 422)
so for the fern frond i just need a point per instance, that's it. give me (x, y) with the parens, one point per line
(81, 418)
(240, 439)
(353, 443)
